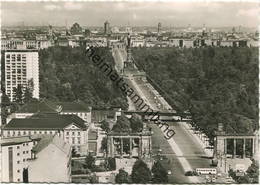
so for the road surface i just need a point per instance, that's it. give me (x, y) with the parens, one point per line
(183, 152)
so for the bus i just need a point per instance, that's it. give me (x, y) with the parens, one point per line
(206, 171)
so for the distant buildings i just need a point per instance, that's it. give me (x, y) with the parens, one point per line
(21, 66)
(29, 159)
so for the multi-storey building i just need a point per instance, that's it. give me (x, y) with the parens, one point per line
(21, 66)
(50, 153)
(30, 158)
(16, 152)
(70, 128)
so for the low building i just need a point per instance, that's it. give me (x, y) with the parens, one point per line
(109, 114)
(50, 153)
(138, 43)
(68, 108)
(128, 145)
(70, 128)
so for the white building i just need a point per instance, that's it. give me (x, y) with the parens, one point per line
(70, 128)
(51, 161)
(20, 67)
(24, 159)
(16, 152)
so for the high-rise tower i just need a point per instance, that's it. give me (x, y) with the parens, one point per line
(159, 28)
(106, 27)
(20, 68)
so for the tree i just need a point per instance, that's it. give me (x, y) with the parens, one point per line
(87, 32)
(214, 84)
(75, 29)
(89, 162)
(122, 177)
(66, 74)
(122, 124)
(73, 152)
(136, 123)
(253, 171)
(104, 144)
(28, 93)
(18, 97)
(159, 173)
(111, 163)
(105, 126)
(141, 173)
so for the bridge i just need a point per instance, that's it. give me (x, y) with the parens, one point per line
(161, 115)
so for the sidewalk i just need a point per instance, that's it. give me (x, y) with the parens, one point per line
(209, 152)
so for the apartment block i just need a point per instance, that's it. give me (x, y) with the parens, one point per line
(21, 66)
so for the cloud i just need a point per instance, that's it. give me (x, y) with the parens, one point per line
(253, 12)
(73, 6)
(52, 7)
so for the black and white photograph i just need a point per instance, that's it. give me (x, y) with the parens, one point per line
(129, 92)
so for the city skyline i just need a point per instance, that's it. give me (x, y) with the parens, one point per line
(170, 14)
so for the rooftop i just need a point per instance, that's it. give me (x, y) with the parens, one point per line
(55, 140)
(47, 106)
(18, 140)
(45, 121)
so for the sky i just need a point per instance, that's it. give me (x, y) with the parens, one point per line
(177, 14)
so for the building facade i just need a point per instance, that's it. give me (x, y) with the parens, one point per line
(16, 152)
(30, 158)
(70, 128)
(57, 153)
(20, 68)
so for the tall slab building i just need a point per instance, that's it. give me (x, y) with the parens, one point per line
(21, 66)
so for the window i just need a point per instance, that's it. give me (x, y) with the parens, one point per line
(18, 147)
(73, 140)
(68, 133)
(18, 162)
(45, 132)
(18, 154)
(24, 160)
(73, 133)
(18, 180)
(40, 132)
(34, 132)
(18, 171)
(24, 132)
(78, 133)
(27, 151)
